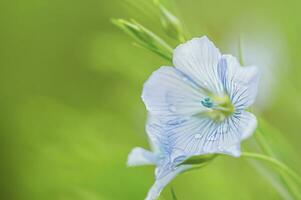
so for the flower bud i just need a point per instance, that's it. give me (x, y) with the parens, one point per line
(170, 23)
(144, 37)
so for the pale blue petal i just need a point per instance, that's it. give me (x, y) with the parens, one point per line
(198, 59)
(248, 123)
(240, 83)
(160, 134)
(158, 139)
(168, 155)
(245, 124)
(160, 183)
(139, 156)
(169, 92)
(233, 150)
(199, 135)
(196, 135)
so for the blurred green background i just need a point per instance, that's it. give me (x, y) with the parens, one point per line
(70, 102)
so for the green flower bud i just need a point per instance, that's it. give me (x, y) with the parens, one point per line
(170, 23)
(144, 37)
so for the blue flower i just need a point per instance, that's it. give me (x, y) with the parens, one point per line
(202, 101)
(197, 107)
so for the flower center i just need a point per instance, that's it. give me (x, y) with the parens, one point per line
(219, 107)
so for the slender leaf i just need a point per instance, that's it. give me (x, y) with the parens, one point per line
(196, 160)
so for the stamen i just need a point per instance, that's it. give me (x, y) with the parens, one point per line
(220, 107)
(207, 102)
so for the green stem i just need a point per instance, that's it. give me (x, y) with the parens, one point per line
(274, 162)
(261, 140)
(259, 137)
(240, 53)
(173, 194)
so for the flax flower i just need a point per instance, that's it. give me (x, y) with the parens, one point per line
(198, 107)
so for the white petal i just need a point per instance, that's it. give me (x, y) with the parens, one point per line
(245, 124)
(241, 83)
(198, 59)
(197, 135)
(159, 184)
(203, 135)
(233, 150)
(158, 140)
(248, 124)
(168, 92)
(200, 135)
(139, 156)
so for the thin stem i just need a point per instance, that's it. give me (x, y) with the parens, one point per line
(261, 140)
(173, 194)
(259, 137)
(240, 51)
(274, 162)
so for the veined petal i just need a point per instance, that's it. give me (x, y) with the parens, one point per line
(233, 150)
(199, 135)
(158, 140)
(168, 92)
(139, 156)
(248, 123)
(160, 183)
(198, 59)
(240, 83)
(202, 135)
(239, 126)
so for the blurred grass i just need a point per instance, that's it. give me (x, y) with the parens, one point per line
(70, 87)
